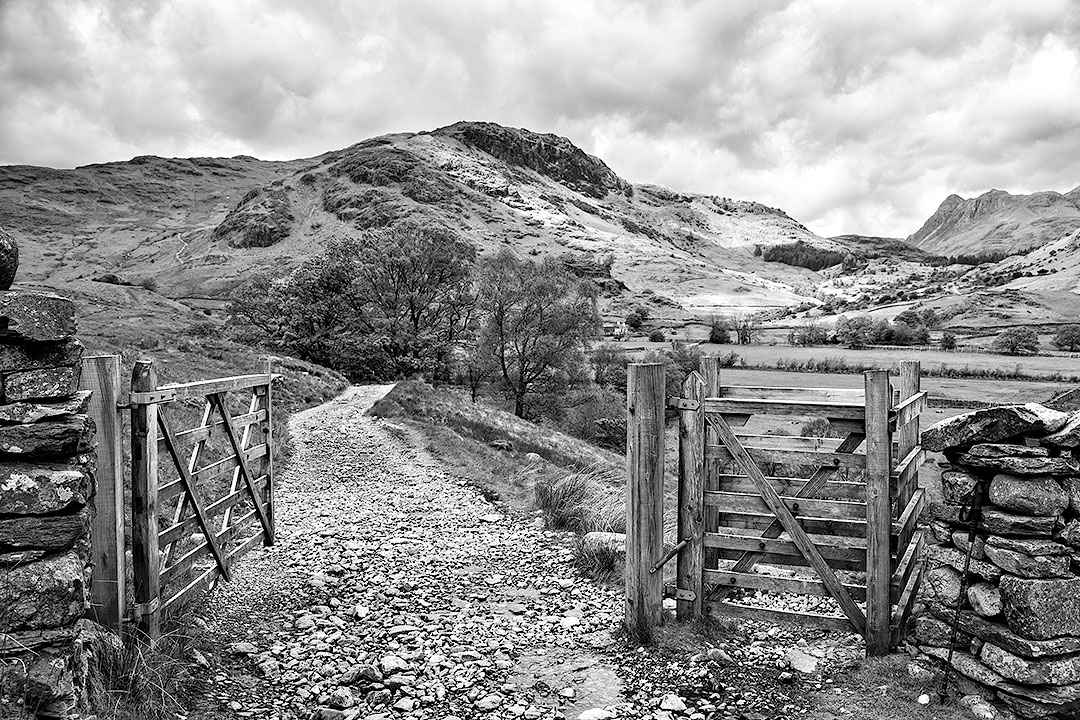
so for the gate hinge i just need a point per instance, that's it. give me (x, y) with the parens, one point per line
(679, 594)
(139, 610)
(681, 403)
(151, 398)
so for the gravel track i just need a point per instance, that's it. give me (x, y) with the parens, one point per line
(396, 590)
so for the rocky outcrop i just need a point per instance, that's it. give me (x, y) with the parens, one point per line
(1021, 610)
(548, 154)
(9, 259)
(262, 218)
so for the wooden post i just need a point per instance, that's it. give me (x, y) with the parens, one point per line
(268, 464)
(691, 560)
(145, 558)
(645, 498)
(878, 512)
(908, 436)
(710, 372)
(108, 588)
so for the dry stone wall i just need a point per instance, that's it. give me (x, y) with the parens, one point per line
(46, 492)
(1019, 604)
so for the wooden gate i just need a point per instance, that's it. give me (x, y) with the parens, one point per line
(844, 511)
(202, 491)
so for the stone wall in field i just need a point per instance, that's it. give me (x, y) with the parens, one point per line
(1019, 608)
(46, 492)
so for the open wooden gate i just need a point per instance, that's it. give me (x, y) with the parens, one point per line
(844, 511)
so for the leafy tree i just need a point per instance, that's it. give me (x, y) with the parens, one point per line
(1068, 338)
(909, 317)
(948, 341)
(1017, 341)
(642, 311)
(809, 334)
(656, 336)
(634, 320)
(854, 331)
(535, 319)
(800, 254)
(609, 367)
(719, 333)
(386, 304)
(930, 317)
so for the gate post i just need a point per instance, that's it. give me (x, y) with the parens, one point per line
(908, 436)
(145, 557)
(878, 512)
(101, 375)
(710, 373)
(691, 562)
(645, 497)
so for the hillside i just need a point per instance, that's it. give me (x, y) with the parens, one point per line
(997, 221)
(199, 226)
(189, 231)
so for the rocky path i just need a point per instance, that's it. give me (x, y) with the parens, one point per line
(395, 590)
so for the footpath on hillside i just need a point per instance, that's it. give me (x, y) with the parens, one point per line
(396, 590)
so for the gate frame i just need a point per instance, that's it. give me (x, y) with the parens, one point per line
(881, 419)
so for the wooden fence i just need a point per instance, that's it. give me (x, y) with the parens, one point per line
(812, 503)
(194, 511)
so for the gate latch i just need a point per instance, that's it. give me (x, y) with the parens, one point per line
(681, 403)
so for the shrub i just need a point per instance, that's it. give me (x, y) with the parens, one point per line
(656, 336)
(719, 332)
(634, 320)
(948, 341)
(148, 283)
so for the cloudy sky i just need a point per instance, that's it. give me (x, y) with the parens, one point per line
(853, 116)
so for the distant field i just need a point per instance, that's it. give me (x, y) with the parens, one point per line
(1036, 366)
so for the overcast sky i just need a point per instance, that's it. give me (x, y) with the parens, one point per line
(856, 116)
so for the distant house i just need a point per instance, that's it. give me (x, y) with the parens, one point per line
(615, 329)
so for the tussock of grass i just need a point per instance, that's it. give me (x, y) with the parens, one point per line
(135, 681)
(585, 501)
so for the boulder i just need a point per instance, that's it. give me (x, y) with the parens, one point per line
(65, 436)
(47, 594)
(940, 532)
(1071, 534)
(40, 355)
(985, 599)
(1028, 496)
(1035, 547)
(43, 532)
(1016, 563)
(35, 316)
(1047, 671)
(972, 667)
(1000, 522)
(25, 413)
(9, 259)
(1041, 609)
(957, 487)
(38, 488)
(960, 540)
(991, 425)
(943, 585)
(47, 384)
(1059, 466)
(1068, 437)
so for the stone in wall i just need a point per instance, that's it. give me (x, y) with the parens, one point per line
(999, 522)
(38, 488)
(24, 413)
(66, 436)
(992, 425)
(1042, 609)
(1068, 437)
(957, 487)
(47, 594)
(1016, 563)
(1057, 466)
(1061, 670)
(36, 317)
(1028, 496)
(985, 599)
(46, 384)
(44, 532)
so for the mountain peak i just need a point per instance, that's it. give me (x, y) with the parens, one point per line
(546, 153)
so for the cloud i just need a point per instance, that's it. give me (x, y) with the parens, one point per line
(851, 116)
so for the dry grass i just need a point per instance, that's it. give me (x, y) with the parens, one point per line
(136, 681)
(584, 501)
